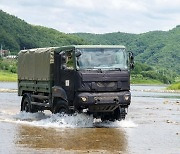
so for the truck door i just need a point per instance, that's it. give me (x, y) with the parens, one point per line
(64, 77)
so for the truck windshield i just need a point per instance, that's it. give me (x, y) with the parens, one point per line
(102, 58)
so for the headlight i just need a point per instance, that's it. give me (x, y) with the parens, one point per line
(84, 99)
(126, 97)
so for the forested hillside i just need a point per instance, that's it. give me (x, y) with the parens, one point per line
(16, 34)
(157, 48)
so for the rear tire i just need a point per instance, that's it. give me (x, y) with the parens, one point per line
(26, 104)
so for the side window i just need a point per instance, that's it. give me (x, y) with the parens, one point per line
(69, 60)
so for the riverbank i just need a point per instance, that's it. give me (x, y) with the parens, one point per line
(2, 90)
(175, 86)
(145, 81)
(157, 90)
(6, 76)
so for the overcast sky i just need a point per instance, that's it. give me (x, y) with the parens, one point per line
(97, 16)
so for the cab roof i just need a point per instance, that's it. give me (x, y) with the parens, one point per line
(97, 46)
(58, 49)
(90, 46)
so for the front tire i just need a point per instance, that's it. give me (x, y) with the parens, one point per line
(118, 114)
(61, 107)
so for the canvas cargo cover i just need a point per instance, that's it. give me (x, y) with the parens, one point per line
(36, 64)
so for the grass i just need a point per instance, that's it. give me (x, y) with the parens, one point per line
(7, 76)
(175, 86)
(144, 81)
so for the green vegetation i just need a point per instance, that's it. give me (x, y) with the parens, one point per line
(175, 86)
(9, 65)
(145, 73)
(141, 80)
(8, 70)
(7, 76)
(16, 34)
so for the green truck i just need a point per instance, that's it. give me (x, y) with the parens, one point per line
(94, 79)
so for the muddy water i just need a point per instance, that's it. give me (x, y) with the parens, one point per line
(152, 126)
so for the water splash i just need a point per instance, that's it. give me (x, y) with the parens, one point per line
(116, 124)
(55, 120)
(76, 120)
(26, 116)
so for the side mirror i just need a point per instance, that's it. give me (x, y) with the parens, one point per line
(131, 60)
(78, 53)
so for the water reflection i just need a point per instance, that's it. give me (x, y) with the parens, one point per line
(81, 139)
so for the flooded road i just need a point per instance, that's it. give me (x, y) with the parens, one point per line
(152, 126)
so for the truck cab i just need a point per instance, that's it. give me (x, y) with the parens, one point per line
(94, 79)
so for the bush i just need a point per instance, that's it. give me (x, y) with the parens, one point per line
(175, 86)
(142, 71)
(8, 65)
(13, 68)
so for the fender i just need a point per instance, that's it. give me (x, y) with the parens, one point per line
(58, 92)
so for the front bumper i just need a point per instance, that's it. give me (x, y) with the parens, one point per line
(103, 102)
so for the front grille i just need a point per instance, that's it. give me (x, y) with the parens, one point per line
(105, 98)
(102, 108)
(105, 84)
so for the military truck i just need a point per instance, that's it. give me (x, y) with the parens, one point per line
(94, 79)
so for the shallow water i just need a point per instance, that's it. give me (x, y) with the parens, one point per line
(8, 85)
(152, 126)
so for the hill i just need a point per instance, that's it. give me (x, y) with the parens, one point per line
(16, 34)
